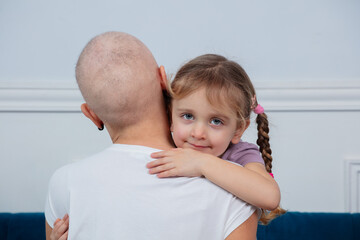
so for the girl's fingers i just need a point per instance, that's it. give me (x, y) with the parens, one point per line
(60, 227)
(66, 216)
(159, 154)
(170, 173)
(63, 227)
(161, 168)
(162, 154)
(64, 236)
(57, 225)
(57, 221)
(152, 164)
(157, 163)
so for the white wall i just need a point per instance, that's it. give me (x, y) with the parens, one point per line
(303, 57)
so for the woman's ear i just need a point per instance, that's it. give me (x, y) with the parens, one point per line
(163, 78)
(92, 116)
(239, 132)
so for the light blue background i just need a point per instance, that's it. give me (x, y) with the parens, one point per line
(279, 40)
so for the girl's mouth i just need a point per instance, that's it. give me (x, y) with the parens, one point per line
(198, 146)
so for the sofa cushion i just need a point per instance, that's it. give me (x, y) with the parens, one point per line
(300, 225)
(22, 226)
(292, 225)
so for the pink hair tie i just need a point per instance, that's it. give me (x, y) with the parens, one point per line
(259, 109)
(271, 175)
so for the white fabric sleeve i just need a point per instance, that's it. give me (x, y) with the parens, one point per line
(57, 199)
(239, 212)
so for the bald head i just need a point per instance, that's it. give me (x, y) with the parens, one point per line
(118, 78)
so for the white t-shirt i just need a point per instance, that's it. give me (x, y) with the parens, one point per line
(111, 195)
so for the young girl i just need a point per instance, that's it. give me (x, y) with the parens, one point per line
(211, 102)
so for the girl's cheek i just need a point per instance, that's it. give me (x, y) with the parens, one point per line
(178, 129)
(177, 141)
(179, 136)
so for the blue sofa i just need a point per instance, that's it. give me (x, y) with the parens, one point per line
(292, 225)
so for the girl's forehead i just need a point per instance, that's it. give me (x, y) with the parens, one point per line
(223, 108)
(218, 103)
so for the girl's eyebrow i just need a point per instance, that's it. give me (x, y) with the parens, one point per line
(223, 117)
(183, 110)
(219, 114)
(213, 114)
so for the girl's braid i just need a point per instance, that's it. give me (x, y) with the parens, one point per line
(263, 140)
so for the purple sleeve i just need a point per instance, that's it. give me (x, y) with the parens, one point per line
(243, 153)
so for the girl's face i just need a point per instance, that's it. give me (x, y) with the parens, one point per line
(199, 125)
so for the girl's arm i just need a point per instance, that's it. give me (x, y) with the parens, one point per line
(250, 183)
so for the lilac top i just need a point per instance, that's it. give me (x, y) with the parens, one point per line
(243, 153)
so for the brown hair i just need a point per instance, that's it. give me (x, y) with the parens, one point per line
(226, 84)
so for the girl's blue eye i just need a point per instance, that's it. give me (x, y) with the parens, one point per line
(188, 116)
(216, 122)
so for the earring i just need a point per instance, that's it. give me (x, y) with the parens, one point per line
(102, 127)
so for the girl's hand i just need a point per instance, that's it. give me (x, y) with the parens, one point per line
(178, 162)
(60, 230)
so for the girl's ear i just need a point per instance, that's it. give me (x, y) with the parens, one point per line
(171, 127)
(163, 78)
(239, 132)
(91, 115)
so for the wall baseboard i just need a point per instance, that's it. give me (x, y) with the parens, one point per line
(274, 96)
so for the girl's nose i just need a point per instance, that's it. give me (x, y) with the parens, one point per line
(198, 131)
